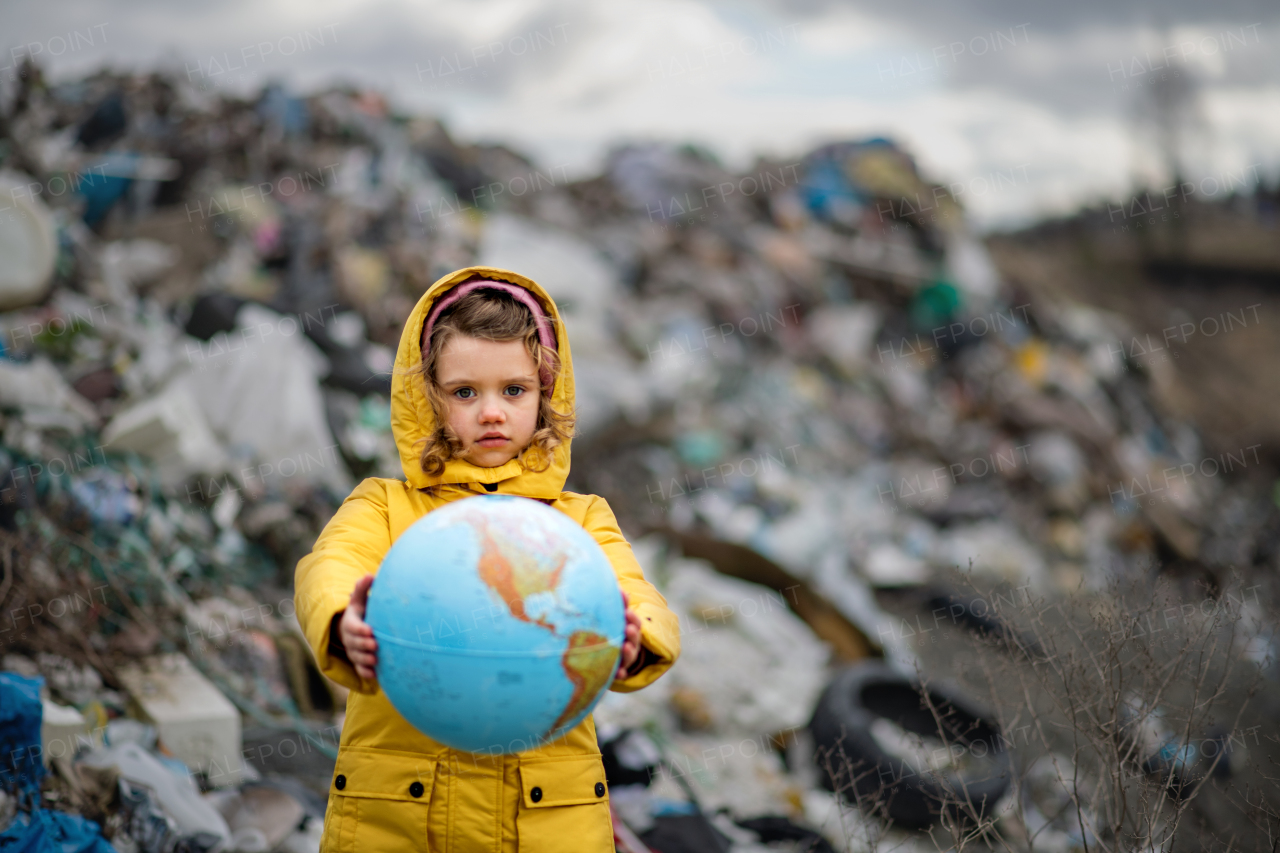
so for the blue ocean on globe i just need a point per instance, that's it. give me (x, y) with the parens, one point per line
(499, 623)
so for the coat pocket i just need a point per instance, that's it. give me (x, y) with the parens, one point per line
(378, 801)
(564, 806)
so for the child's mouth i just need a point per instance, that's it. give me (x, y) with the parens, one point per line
(494, 441)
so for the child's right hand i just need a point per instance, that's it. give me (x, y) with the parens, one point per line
(355, 633)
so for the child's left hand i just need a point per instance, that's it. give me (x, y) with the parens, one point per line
(631, 643)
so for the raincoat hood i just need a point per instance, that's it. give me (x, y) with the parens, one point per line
(412, 420)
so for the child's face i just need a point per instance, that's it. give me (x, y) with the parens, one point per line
(493, 396)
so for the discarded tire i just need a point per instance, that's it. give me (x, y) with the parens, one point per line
(909, 790)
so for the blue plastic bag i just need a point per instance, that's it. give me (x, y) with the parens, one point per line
(48, 831)
(21, 713)
(22, 768)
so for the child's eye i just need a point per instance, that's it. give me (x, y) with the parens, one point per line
(464, 392)
(515, 390)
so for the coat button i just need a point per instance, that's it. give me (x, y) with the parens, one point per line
(599, 789)
(340, 782)
(535, 794)
(415, 790)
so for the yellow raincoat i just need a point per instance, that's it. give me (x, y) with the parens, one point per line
(395, 789)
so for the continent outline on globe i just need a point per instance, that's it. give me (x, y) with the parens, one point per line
(530, 570)
(589, 659)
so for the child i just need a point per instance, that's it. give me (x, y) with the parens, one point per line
(481, 401)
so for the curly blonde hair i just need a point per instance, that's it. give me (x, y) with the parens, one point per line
(495, 316)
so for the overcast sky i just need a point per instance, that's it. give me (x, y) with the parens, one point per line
(1038, 98)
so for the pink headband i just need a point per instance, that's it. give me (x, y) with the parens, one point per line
(545, 333)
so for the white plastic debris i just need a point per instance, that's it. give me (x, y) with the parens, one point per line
(259, 388)
(834, 580)
(195, 722)
(733, 627)
(226, 508)
(63, 730)
(995, 549)
(179, 798)
(28, 242)
(845, 333)
(797, 539)
(169, 428)
(971, 267)
(1056, 460)
(260, 817)
(127, 264)
(740, 771)
(37, 385)
(889, 565)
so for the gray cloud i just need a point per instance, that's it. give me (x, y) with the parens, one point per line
(947, 20)
(1056, 69)
(389, 44)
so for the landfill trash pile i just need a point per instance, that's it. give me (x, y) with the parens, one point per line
(813, 359)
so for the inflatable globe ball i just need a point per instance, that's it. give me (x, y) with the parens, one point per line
(499, 624)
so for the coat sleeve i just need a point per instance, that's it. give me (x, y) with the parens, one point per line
(351, 545)
(660, 629)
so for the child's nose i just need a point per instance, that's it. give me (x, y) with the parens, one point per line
(492, 413)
